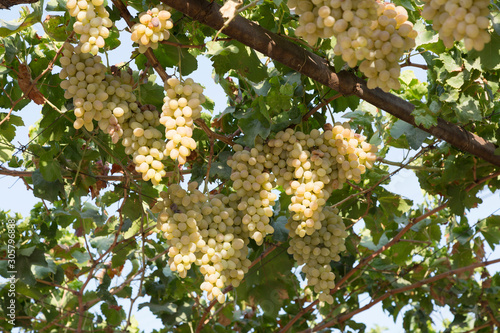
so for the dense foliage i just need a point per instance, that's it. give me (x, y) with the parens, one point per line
(268, 216)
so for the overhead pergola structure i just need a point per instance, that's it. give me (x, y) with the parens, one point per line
(318, 69)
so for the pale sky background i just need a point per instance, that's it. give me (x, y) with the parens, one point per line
(15, 197)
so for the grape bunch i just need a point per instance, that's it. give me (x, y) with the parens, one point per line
(391, 35)
(92, 23)
(376, 34)
(311, 166)
(179, 215)
(205, 231)
(119, 105)
(304, 175)
(253, 185)
(145, 143)
(214, 231)
(224, 259)
(460, 19)
(152, 28)
(182, 105)
(106, 98)
(82, 75)
(317, 250)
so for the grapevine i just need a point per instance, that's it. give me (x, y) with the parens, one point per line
(214, 231)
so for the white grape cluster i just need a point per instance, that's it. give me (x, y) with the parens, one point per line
(179, 215)
(145, 143)
(460, 19)
(92, 23)
(377, 34)
(96, 95)
(312, 165)
(152, 28)
(214, 231)
(253, 185)
(317, 250)
(182, 105)
(303, 171)
(205, 231)
(391, 35)
(327, 18)
(224, 259)
(120, 104)
(82, 74)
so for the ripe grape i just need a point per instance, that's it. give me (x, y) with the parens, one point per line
(390, 36)
(206, 231)
(374, 33)
(308, 166)
(106, 98)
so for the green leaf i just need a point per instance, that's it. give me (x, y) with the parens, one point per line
(217, 48)
(27, 19)
(415, 136)
(245, 62)
(456, 81)
(423, 116)
(44, 189)
(50, 167)
(253, 124)
(490, 229)
(8, 128)
(468, 109)
(6, 150)
(102, 244)
(280, 231)
(55, 27)
(159, 308)
(171, 56)
(368, 242)
(425, 35)
(114, 313)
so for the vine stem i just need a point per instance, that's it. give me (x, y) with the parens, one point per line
(211, 134)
